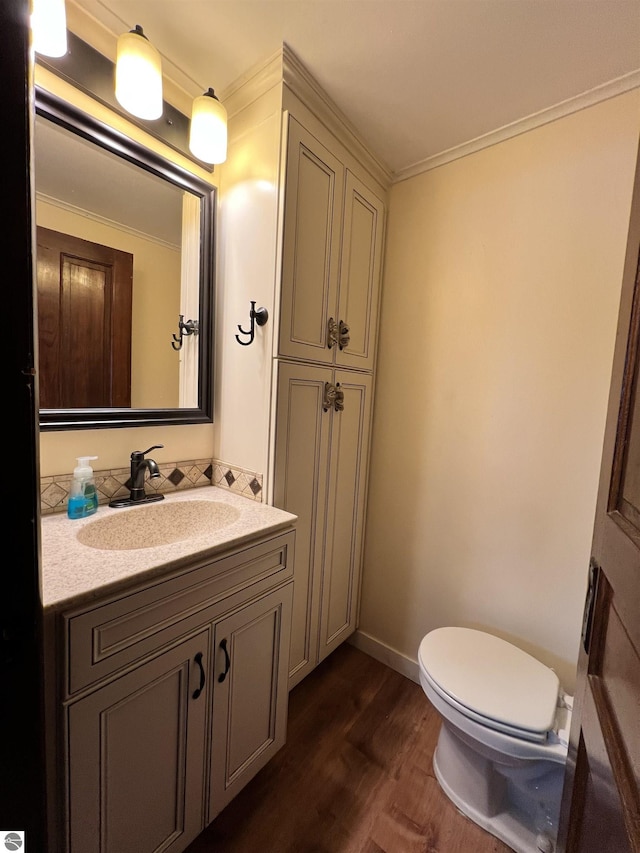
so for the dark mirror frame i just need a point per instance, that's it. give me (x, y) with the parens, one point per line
(64, 114)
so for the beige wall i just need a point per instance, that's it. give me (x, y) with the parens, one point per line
(499, 308)
(247, 246)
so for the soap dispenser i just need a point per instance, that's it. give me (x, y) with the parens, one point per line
(83, 499)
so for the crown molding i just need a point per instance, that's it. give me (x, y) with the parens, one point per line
(565, 108)
(284, 68)
(254, 83)
(75, 210)
(301, 82)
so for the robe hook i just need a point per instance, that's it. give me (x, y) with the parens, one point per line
(191, 327)
(256, 315)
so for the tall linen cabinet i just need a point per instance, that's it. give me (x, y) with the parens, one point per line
(328, 226)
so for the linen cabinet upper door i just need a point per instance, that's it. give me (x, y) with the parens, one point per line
(359, 275)
(311, 250)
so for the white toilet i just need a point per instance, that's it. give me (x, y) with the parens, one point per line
(502, 746)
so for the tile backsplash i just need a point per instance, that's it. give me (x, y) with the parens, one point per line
(174, 477)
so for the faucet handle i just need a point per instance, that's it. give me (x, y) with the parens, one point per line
(140, 454)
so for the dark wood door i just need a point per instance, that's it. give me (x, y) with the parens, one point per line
(601, 803)
(84, 323)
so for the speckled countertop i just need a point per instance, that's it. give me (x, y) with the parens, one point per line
(73, 572)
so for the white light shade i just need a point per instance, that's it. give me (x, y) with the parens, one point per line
(208, 132)
(138, 75)
(49, 27)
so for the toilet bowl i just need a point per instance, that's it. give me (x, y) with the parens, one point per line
(502, 746)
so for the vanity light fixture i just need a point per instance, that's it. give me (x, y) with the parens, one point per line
(208, 132)
(138, 75)
(49, 27)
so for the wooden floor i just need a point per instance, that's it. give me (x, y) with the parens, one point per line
(354, 777)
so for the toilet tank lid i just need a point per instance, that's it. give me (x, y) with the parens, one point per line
(491, 677)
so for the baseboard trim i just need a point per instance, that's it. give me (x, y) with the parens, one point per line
(386, 655)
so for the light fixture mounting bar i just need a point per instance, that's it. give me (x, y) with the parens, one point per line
(91, 72)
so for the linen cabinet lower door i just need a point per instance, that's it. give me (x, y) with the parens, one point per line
(137, 757)
(250, 695)
(303, 428)
(348, 459)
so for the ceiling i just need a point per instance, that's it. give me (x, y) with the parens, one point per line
(416, 78)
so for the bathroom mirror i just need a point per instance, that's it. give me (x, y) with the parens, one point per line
(125, 268)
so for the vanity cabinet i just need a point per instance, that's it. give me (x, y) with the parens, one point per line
(331, 260)
(173, 695)
(250, 694)
(137, 750)
(322, 443)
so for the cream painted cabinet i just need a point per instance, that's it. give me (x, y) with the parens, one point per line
(250, 696)
(137, 750)
(331, 264)
(173, 696)
(321, 451)
(333, 227)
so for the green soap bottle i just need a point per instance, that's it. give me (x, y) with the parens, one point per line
(83, 499)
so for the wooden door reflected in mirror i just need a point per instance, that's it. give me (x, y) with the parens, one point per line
(84, 322)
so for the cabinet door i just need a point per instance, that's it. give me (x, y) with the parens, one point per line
(137, 757)
(250, 697)
(300, 484)
(311, 250)
(348, 457)
(360, 273)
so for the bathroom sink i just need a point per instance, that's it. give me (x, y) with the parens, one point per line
(157, 524)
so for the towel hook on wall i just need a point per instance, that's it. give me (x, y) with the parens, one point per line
(256, 315)
(191, 327)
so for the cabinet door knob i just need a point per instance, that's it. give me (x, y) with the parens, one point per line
(332, 333)
(198, 690)
(343, 335)
(227, 661)
(328, 396)
(332, 397)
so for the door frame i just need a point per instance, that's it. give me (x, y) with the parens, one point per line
(22, 794)
(600, 592)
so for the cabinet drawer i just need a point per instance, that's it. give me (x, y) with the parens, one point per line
(103, 639)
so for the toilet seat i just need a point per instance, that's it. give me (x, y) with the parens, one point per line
(503, 740)
(491, 681)
(502, 743)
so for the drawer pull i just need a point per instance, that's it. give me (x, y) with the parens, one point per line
(198, 660)
(227, 661)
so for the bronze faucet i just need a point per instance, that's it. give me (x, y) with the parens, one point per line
(139, 463)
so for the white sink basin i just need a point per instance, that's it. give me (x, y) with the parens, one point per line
(156, 524)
